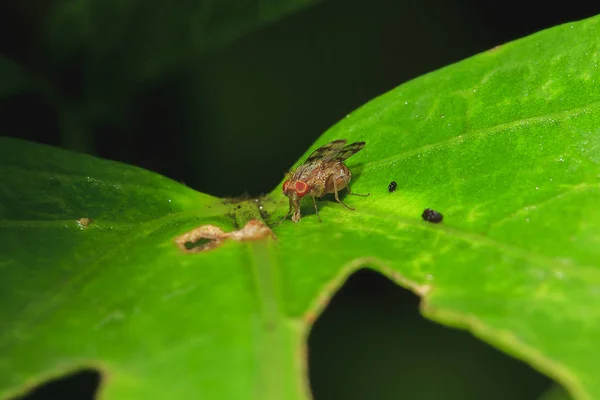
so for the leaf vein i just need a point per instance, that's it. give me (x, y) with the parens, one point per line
(482, 132)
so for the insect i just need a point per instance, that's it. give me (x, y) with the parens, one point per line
(323, 172)
(392, 186)
(432, 216)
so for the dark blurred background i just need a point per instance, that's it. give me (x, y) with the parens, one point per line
(225, 95)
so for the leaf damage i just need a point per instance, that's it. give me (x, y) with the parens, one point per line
(209, 237)
(83, 223)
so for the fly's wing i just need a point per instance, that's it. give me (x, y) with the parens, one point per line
(323, 153)
(335, 151)
(347, 151)
(327, 151)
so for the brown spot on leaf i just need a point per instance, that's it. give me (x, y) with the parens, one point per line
(203, 238)
(208, 237)
(83, 222)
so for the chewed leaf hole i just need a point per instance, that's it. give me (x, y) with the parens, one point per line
(199, 244)
(371, 335)
(208, 237)
(81, 385)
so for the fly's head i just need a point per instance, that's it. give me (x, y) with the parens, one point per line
(295, 190)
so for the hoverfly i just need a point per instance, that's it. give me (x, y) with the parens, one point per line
(323, 172)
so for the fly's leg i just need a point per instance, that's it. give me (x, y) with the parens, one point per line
(316, 209)
(350, 192)
(286, 215)
(337, 198)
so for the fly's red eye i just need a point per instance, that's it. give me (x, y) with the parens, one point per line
(285, 185)
(301, 188)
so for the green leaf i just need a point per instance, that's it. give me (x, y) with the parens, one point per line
(116, 293)
(505, 145)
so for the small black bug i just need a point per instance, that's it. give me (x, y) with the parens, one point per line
(392, 186)
(432, 216)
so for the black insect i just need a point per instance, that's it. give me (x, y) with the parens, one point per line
(392, 186)
(432, 216)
